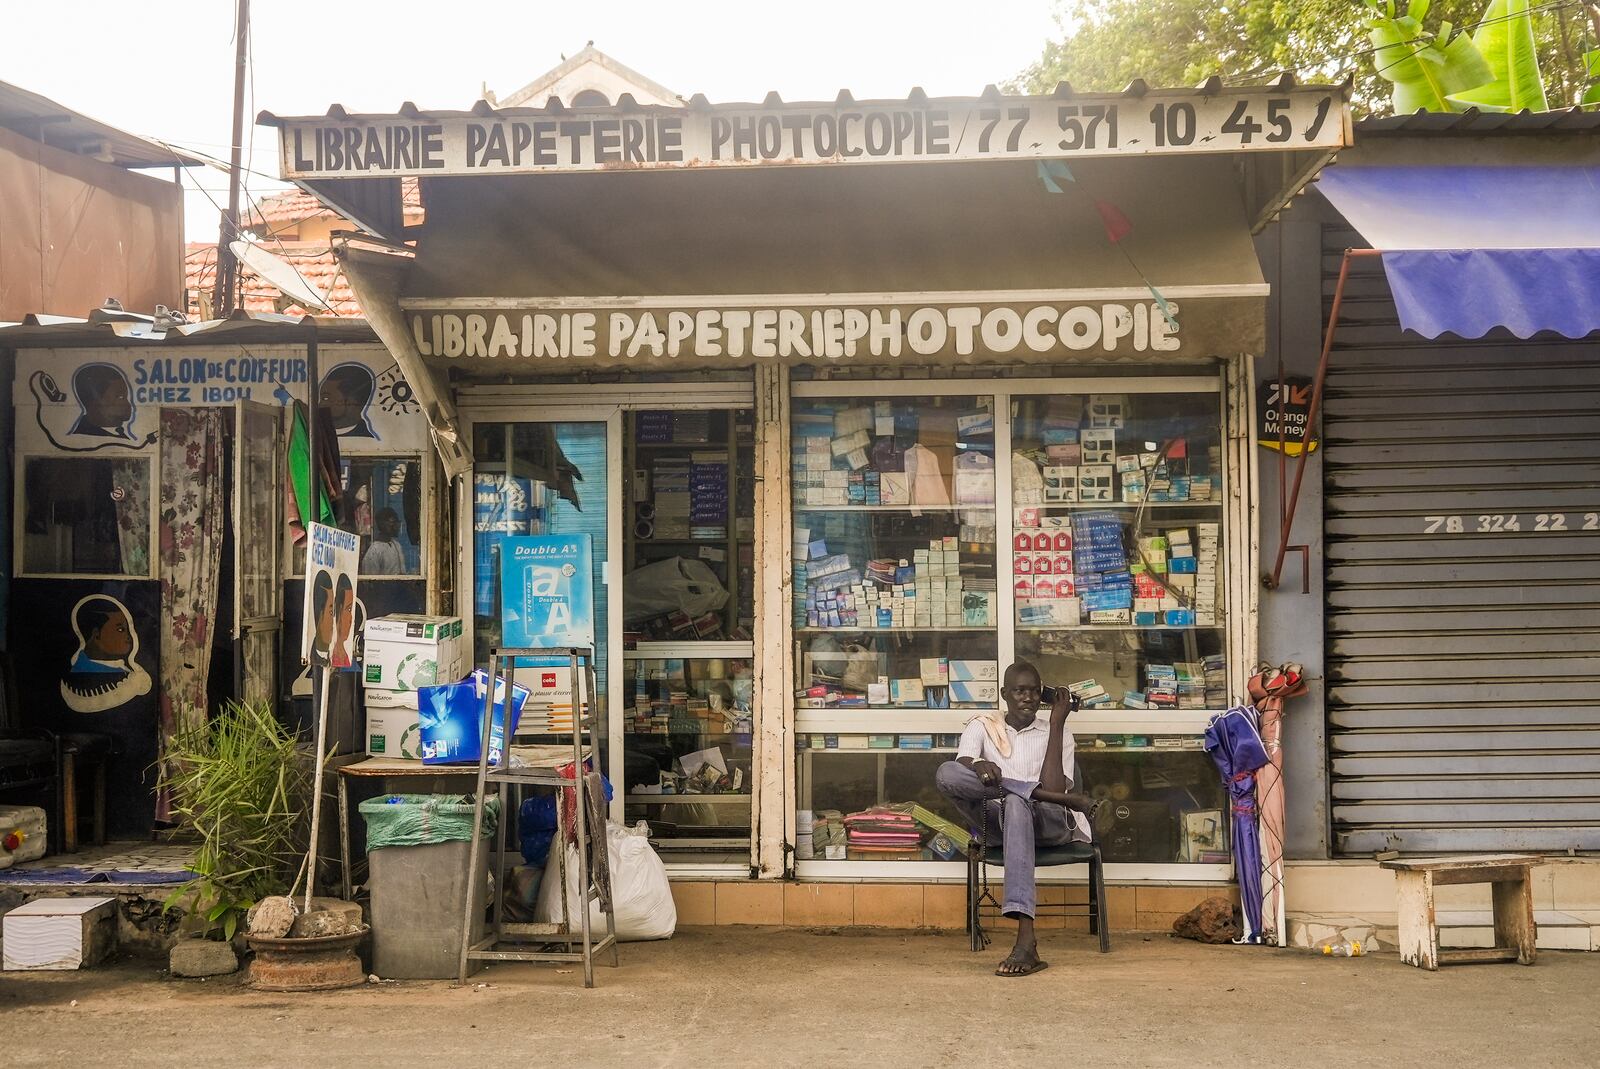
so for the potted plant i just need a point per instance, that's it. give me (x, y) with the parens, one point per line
(239, 781)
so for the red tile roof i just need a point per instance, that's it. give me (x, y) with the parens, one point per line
(314, 261)
(293, 205)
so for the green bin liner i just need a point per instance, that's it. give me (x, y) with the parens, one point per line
(423, 819)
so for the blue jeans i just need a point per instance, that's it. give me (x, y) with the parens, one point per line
(1023, 824)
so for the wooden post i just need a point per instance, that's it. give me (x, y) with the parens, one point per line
(772, 804)
(316, 787)
(1419, 934)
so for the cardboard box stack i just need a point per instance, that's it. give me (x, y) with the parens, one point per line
(401, 653)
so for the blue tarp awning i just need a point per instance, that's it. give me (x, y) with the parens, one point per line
(1471, 248)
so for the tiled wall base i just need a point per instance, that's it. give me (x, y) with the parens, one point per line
(914, 905)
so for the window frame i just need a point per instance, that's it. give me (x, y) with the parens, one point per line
(19, 503)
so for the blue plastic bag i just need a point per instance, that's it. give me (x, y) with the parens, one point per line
(536, 824)
(450, 720)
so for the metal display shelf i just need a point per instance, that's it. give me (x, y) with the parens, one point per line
(509, 941)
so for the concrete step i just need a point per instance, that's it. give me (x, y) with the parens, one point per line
(1558, 929)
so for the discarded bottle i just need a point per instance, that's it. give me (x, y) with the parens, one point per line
(1344, 948)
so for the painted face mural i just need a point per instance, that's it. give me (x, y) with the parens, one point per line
(346, 393)
(105, 671)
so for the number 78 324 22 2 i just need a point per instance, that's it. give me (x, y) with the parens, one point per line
(1503, 522)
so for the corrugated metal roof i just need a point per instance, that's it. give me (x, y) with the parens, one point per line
(1475, 122)
(42, 119)
(627, 103)
(112, 327)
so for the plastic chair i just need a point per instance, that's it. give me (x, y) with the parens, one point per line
(980, 895)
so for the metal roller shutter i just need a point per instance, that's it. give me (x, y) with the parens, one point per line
(1462, 523)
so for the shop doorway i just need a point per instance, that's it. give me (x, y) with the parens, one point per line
(662, 481)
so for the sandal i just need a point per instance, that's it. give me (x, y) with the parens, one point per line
(1036, 965)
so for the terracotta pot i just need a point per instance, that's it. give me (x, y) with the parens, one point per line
(307, 964)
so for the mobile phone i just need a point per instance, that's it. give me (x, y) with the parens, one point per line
(1048, 696)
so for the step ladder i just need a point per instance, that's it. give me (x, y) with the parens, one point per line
(512, 941)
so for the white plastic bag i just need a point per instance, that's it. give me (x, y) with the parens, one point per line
(678, 584)
(639, 888)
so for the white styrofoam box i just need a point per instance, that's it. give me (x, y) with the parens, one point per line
(968, 671)
(28, 823)
(975, 692)
(392, 724)
(60, 933)
(405, 651)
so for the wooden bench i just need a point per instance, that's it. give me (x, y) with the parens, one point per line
(1514, 930)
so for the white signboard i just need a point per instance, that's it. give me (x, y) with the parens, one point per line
(109, 400)
(332, 559)
(1027, 128)
(745, 332)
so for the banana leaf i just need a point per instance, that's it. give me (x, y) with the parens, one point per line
(1591, 63)
(1505, 37)
(1427, 69)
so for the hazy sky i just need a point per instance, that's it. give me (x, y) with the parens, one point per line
(164, 68)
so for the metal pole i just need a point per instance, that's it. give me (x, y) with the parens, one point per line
(222, 296)
(1312, 410)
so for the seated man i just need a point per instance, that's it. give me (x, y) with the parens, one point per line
(1016, 776)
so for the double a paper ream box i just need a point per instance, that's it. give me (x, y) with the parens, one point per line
(405, 651)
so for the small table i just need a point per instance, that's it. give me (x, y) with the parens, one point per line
(1514, 929)
(393, 767)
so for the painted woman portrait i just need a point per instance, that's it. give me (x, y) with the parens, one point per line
(344, 613)
(105, 671)
(322, 616)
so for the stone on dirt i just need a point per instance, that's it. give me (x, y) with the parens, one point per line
(202, 957)
(271, 918)
(1212, 921)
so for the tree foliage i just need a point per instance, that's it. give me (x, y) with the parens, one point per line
(1105, 44)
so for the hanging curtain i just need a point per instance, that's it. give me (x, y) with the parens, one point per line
(130, 480)
(193, 517)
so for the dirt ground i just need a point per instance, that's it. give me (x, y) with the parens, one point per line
(784, 997)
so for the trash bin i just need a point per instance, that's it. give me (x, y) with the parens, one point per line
(417, 847)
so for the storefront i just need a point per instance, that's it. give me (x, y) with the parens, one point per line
(1448, 518)
(153, 572)
(848, 440)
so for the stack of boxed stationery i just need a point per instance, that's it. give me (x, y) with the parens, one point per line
(402, 653)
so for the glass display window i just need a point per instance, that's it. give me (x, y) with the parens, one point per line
(895, 593)
(687, 744)
(86, 516)
(381, 499)
(951, 528)
(872, 798)
(1116, 546)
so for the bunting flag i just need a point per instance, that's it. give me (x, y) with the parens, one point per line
(1050, 170)
(1111, 217)
(1117, 227)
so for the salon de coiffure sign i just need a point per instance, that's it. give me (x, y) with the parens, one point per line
(843, 133)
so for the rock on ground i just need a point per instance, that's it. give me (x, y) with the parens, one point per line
(271, 918)
(202, 957)
(1209, 922)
